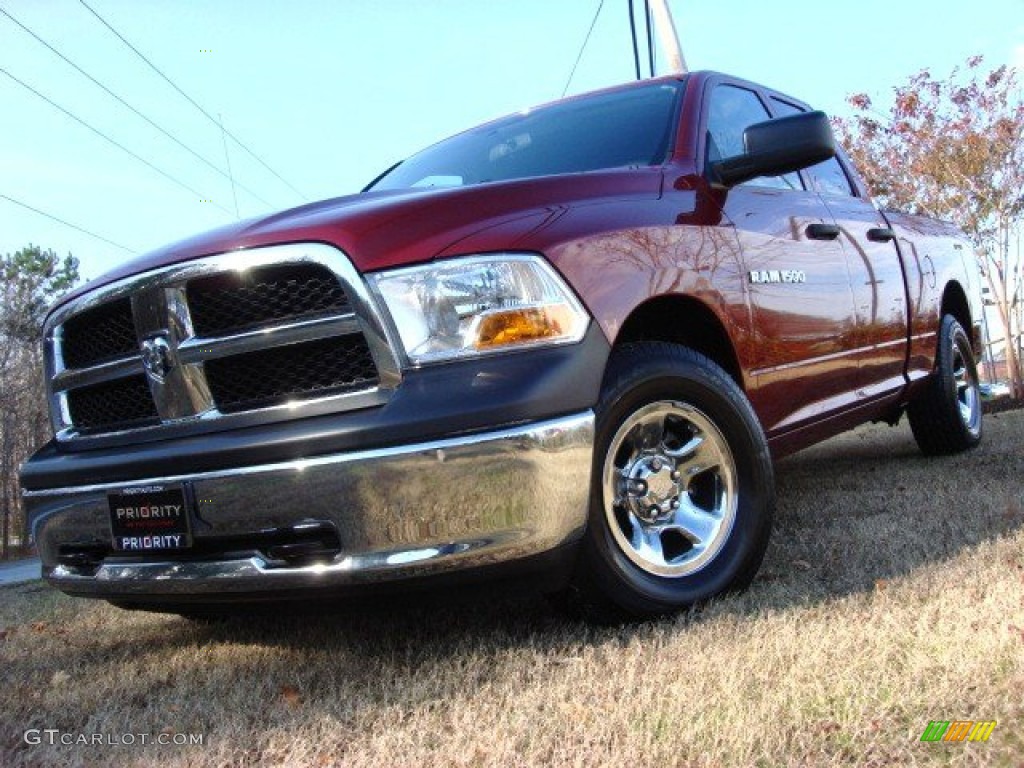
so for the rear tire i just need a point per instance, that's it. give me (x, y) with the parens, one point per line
(682, 487)
(946, 416)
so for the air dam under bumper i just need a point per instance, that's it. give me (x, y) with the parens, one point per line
(403, 512)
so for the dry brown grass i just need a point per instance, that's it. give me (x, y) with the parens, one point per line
(891, 596)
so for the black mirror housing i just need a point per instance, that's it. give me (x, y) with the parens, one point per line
(778, 146)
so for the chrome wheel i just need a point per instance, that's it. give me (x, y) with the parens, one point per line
(683, 493)
(945, 412)
(965, 379)
(669, 485)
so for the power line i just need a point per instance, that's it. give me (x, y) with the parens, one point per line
(102, 135)
(190, 100)
(67, 223)
(133, 109)
(583, 47)
(227, 159)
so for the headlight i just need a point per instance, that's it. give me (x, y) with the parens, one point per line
(479, 305)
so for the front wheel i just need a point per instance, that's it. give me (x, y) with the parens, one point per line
(946, 416)
(682, 493)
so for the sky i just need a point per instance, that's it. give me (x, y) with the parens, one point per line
(328, 94)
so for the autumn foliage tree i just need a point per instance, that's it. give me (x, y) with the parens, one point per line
(954, 149)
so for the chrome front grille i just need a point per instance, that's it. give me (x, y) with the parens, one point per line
(245, 337)
(229, 303)
(272, 376)
(120, 403)
(100, 334)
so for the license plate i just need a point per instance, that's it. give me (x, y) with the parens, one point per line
(149, 519)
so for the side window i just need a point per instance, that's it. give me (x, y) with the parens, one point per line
(827, 177)
(731, 111)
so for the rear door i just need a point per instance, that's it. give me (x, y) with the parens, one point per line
(798, 280)
(877, 280)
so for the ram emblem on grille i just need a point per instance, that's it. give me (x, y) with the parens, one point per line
(156, 356)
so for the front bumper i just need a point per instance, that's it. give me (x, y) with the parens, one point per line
(433, 508)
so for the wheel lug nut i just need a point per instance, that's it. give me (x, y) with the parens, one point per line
(675, 503)
(654, 511)
(675, 475)
(656, 465)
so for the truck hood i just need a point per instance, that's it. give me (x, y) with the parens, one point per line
(378, 230)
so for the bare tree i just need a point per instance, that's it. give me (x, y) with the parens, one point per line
(32, 278)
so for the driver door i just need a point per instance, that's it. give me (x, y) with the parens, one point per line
(798, 280)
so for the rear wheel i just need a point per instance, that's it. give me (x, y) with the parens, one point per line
(946, 416)
(682, 491)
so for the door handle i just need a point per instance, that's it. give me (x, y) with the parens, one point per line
(881, 235)
(822, 231)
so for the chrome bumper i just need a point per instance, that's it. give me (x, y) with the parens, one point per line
(401, 512)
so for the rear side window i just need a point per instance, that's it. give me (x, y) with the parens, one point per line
(624, 129)
(828, 177)
(731, 111)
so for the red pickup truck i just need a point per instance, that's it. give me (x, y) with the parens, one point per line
(564, 347)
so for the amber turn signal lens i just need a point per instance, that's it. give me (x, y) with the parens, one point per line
(523, 325)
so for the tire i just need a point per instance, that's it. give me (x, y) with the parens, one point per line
(946, 416)
(682, 487)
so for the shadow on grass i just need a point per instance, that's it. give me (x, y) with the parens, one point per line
(868, 506)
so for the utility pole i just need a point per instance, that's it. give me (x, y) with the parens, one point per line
(667, 36)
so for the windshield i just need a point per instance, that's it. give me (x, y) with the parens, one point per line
(630, 128)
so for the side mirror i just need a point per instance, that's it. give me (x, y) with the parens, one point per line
(778, 146)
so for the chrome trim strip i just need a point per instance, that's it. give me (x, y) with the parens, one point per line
(568, 424)
(312, 406)
(236, 575)
(72, 378)
(164, 287)
(198, 348)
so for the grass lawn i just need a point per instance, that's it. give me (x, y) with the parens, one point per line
(892, 595)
